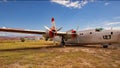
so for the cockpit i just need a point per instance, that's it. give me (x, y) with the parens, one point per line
(98, 29)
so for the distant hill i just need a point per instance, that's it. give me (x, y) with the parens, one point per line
(8, 38)
(18, 38)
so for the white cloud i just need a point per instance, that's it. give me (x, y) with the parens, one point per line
(107, 3)
(71, 4)
(112, 23)
(3, 27)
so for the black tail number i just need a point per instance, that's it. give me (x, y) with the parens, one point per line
(107, 37)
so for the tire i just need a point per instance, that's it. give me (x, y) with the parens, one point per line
(105, 46)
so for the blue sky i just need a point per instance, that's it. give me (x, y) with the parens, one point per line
(68, 14)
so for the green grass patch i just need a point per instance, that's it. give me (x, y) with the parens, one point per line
(18, 55)
(27, 44)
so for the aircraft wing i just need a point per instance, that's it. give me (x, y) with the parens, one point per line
(27, 31)
(22, 31)
(61, 33)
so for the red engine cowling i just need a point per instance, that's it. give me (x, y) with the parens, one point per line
(73, 33)
(52, 33)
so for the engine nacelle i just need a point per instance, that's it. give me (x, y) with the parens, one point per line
(71, 34)
(49, 34)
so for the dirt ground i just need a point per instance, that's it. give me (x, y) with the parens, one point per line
(89, 56)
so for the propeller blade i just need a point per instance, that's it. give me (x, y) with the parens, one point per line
(77, 28)
(59, 29)
(53, 23)
(47, 28)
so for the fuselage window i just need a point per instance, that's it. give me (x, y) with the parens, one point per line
(81, 33)
(111, 33)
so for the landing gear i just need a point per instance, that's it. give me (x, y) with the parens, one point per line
(62, 41)
(105, 46)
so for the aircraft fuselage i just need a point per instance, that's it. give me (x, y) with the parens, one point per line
(96, 37)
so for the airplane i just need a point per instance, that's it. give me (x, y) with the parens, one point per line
(85, 37)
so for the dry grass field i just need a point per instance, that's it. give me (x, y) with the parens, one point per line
(41, 54)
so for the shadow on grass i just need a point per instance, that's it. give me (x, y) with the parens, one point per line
(47, 47)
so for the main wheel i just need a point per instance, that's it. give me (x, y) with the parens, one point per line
(105, 46)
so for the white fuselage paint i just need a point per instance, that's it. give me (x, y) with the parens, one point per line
(96, 37)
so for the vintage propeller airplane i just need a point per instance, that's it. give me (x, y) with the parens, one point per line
(93, 36)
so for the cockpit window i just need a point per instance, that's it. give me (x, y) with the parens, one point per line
(98, 29)
(81, 33)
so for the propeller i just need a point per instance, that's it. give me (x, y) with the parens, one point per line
(47, 28)
(50, 29)
(52, 32)
(75, 33)
(59, 28)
